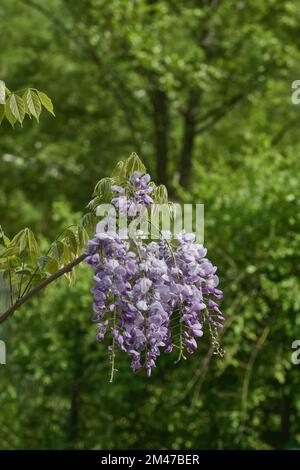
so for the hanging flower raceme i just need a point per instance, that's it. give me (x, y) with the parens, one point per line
(151, 297)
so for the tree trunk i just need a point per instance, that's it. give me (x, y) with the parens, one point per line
(189, 134)
(161, 129)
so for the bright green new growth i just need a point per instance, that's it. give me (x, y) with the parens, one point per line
(14, 106)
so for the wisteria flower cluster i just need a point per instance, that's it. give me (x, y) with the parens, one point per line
(151, 297)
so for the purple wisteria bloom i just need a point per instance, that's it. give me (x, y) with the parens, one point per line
(151, 297)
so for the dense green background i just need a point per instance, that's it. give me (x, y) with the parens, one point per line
(201, 90)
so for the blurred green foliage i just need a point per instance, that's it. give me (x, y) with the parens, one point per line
(202, 91)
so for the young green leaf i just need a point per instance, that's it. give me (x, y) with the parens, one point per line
(162, 194)
(42, 261)
(57, 249)
(16, 239)
(46, 102)
(94, 203)
(82, 236)
(33, 102)
(67, 255)
(118, 170)
(134, 163)
(51, 266)
(9, 115)
(17, 107)
(34, 249)
(71, 239)
(103, 188)
(23, 241)
(6, 240)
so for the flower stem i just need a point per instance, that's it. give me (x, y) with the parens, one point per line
(113, 354)
(181, 355)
